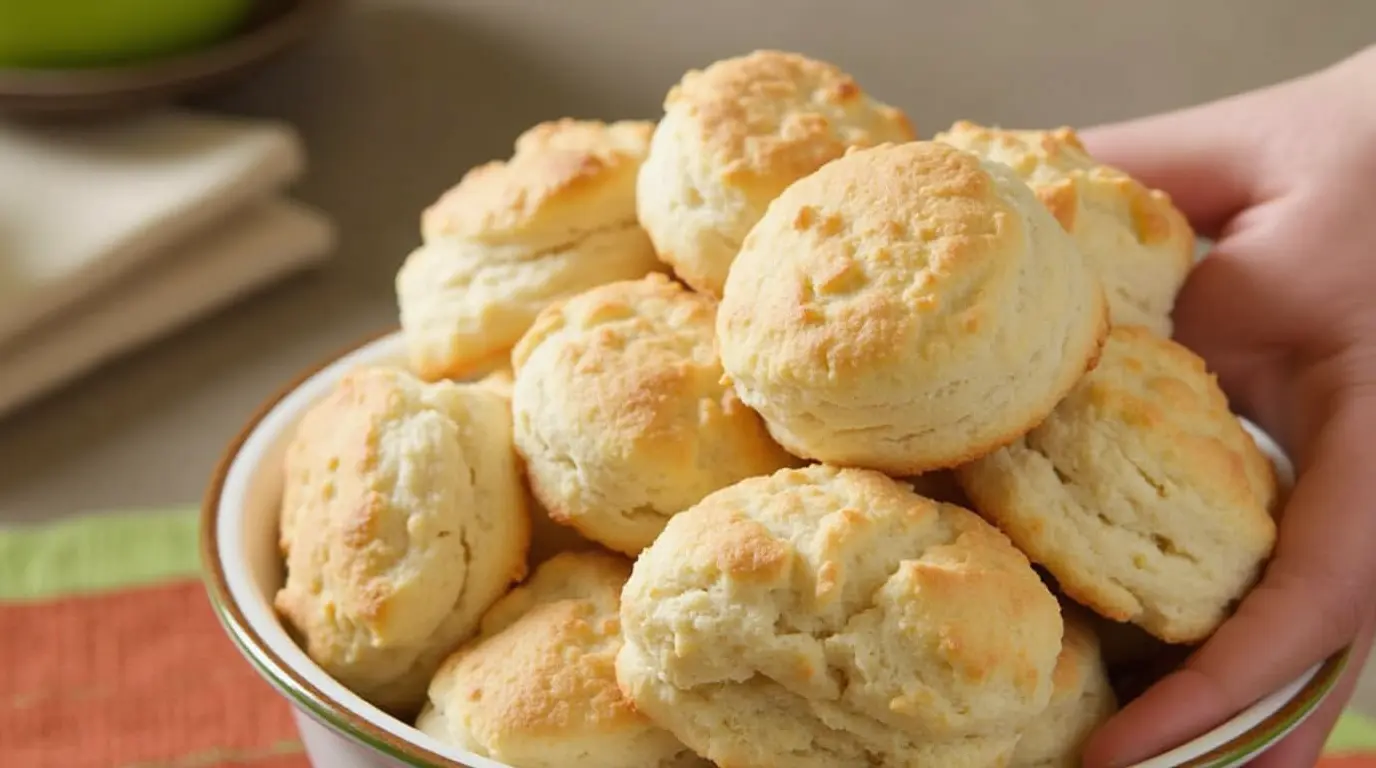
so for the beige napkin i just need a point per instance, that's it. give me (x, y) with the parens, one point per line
(82, 205)
(250, 248)
(113, 234)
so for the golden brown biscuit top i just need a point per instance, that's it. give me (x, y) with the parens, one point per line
(1165, 393)
(898, 247)
(1059, 168)
(627, 138)
(544, 662)
(640, 348)
(832, 544)
(556, 165)
(371, 463)
(592, 577)
(615, 318)
(771, 117)
(1029, 152)
(619, 398)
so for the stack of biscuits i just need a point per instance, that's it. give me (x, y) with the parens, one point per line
(769, 435)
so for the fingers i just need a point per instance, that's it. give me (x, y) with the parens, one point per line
(1219, 158)
(1214, 685)
(1306, 743)
(1312, 601)
(1227, 313)
(1244, 310)
(1304, 746)
(1204, 157)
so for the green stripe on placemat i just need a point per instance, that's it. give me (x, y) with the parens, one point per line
(112, 551)
(95, 553)
(1353, 734)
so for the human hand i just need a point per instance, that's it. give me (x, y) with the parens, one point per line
(1284, 311)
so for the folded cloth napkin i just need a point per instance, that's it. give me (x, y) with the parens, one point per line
(115, 232)
(263, 242)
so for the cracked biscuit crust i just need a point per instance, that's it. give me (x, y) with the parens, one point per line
(563, 178)
(733, 136)
(907, 308)
(1139, 244)
(538, 687)
(1141, 493)
(621, 415)
(824, 616)
(403, 519)
(514, 235)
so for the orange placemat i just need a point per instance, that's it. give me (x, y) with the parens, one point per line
(110, 657)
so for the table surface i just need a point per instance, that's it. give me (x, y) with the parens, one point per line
(396, 99)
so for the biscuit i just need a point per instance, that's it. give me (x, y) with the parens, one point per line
(732, 137)
(403, 519)
(1141, 493)
(1139, 244)
(621, 415)
(824, 617)
(557, 218)
(907, 308)
(547, 538)
(537, 688)
(1081, 700)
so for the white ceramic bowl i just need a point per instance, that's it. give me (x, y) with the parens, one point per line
(341, 730)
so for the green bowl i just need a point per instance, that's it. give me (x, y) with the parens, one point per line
(56, 34)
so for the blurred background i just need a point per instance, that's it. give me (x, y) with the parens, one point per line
(392, 100)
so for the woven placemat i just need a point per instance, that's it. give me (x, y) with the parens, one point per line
(110, 657)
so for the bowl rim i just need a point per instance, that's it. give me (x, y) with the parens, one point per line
(1309, 691)
(265, 661)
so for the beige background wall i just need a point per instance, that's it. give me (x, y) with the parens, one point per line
(398, 98)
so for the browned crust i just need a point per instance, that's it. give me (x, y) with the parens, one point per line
(431, 370)
(970, 454)
(1324, 680)
(219, 589)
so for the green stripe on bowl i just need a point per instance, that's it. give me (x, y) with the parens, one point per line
(97, 553)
